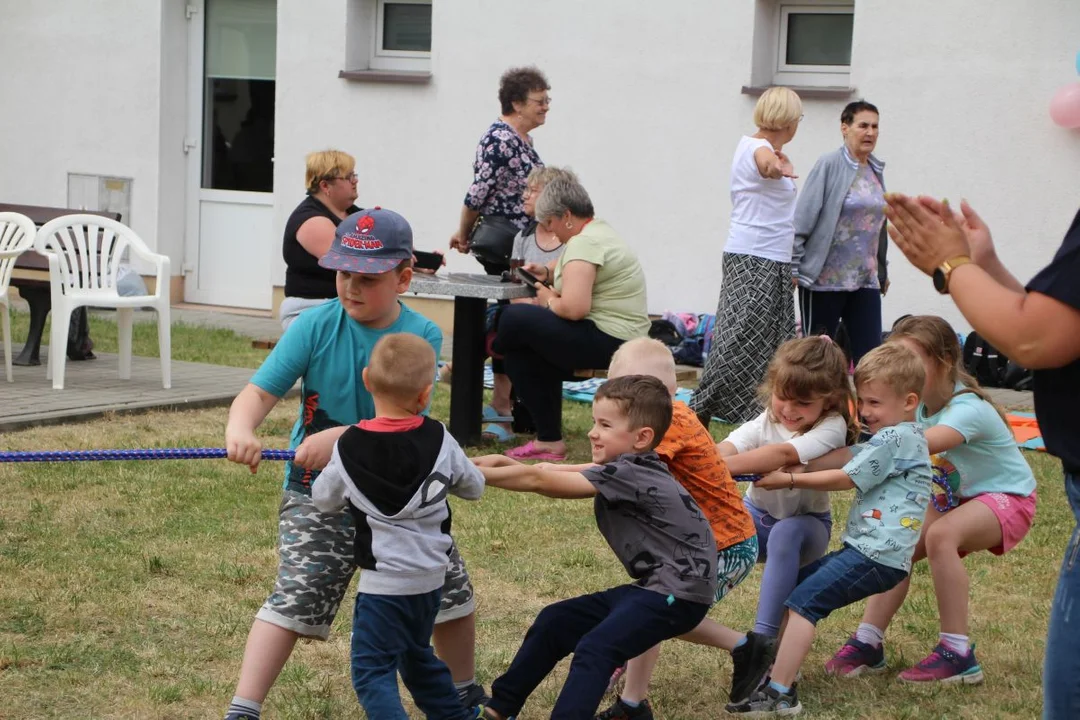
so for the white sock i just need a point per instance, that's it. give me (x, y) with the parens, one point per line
(959, 644)
(870, 634)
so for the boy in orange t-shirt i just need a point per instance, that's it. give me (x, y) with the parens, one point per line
(690, 454)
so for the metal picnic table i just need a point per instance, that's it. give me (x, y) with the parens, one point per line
(471, 294)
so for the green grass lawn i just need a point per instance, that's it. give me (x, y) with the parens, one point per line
(127, 589)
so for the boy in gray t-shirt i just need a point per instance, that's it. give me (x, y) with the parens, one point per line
(655, 529)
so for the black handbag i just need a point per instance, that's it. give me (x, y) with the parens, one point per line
(492, 239)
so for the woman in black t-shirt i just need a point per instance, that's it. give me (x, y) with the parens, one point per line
(1038, 327)
(331, 191)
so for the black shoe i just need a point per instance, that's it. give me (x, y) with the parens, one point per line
(767, 702)
(474, 695)
(751, 662)
(621, 711)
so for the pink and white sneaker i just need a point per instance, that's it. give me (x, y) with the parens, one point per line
(945, 666)
(856, 658)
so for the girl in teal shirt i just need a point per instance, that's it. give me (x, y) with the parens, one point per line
(971, 441)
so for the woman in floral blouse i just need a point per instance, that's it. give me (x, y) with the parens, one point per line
(840, 242)
(504, 159)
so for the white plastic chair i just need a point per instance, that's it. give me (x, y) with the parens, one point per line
(16, 236)
(69, 242)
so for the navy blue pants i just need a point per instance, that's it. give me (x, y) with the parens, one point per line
(603, 630)
(540, 350)
(822, 310)
(391, 634)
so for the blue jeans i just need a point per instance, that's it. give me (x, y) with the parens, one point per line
(392, 633)
(1061, 671)
(841, 578)
(603, 630)
(785, 546)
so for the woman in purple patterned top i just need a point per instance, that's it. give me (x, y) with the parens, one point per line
(504, 159)
(840, 241)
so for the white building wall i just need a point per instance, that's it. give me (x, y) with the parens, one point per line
(81, 89)
(647, 109)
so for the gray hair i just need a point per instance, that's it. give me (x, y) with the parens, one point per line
(561, 195)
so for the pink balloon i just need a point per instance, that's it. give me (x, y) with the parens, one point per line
(1065, 106)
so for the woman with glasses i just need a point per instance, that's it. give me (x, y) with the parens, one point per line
(756, 312)
(494, 210)
(331, 191)
(840, 238)
(504, 158)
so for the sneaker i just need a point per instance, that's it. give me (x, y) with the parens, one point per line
(474, 696)
(856, 658)
(615, 678)
(945, 666)
(483, 714)
(768, 702)
(240, 716)
(621, 711)
(751, 662)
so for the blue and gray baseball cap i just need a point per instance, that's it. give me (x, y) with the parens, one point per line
(371, 241)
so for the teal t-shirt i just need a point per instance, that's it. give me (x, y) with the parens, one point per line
(327, 350)
(988, 460)
(892, 477)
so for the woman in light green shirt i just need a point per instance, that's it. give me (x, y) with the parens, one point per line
(596, 301)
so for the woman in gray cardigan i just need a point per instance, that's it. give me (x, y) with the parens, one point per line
(840, 238)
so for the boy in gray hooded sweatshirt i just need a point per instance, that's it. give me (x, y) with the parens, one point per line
(394, 473)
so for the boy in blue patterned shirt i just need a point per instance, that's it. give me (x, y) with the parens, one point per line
(892, 478)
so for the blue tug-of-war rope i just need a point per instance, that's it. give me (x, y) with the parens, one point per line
(141, 454)
(941, 479)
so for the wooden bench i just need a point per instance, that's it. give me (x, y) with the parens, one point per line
(31, 277)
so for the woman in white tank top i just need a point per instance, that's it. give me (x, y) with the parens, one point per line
(757, 309)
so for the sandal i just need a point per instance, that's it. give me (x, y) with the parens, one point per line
(529, 451)
(495, 431)
(492, 415)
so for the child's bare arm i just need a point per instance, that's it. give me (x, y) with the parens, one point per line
(763, 459)
(821, 480)
(247, 411)
(494, 461)
(726, 449)
(832, 460)
(552, 483)
(558, 467)
(315, 451)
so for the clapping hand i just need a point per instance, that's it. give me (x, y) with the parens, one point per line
(925, 236)
(978, 234)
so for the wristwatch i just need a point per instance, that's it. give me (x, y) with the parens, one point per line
(944, 270)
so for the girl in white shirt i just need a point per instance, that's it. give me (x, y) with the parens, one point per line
(808, 397)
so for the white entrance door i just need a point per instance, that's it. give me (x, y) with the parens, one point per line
(230, 245)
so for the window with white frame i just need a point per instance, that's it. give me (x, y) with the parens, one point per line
(402, 35)
(804, 43)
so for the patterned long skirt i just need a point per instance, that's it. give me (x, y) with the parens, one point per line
(755, 315)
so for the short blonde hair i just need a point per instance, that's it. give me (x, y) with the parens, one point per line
(894, 365)
(644, 356)
(777, 108)
(326, 165)
(402, 366)
(544, 174)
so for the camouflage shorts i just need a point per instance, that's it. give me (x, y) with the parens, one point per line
(315, 566)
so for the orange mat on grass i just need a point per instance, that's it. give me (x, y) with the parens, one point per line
(1026, 431)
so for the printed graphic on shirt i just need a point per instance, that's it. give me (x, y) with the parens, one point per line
(314, 419)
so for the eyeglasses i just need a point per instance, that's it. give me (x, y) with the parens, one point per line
(542, 102)
(351, 177)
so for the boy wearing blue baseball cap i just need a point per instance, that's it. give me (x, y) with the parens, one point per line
(325, 348)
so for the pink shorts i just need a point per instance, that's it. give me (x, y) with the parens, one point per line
(1015, 513)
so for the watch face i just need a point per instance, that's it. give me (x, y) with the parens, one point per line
(940, 281)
